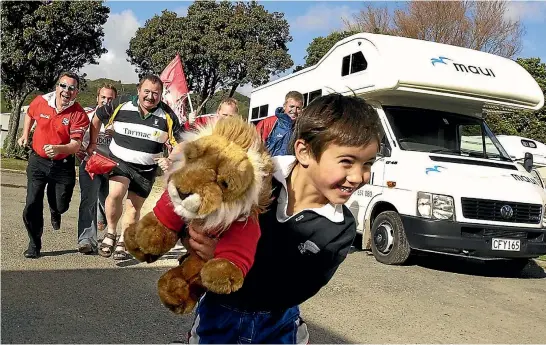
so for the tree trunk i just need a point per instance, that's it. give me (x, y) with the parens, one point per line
(233, 88)
(203, 103)
(11, 138)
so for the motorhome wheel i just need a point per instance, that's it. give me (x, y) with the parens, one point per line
(389, 243)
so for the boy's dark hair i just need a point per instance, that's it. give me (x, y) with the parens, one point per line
(152, 78)
(70, 75)
(336, 119)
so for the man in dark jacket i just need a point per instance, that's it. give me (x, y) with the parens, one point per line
(276, 130)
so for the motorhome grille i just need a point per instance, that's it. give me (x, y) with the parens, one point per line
(491, 210)
(476, 232)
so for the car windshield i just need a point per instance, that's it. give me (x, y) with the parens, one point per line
(441, 132)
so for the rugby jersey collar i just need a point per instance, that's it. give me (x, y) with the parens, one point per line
(283, 166)
(136, 103)
(51, 99)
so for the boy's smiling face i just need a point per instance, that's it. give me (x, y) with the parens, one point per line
(340, 171)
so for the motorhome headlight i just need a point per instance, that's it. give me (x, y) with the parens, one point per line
(435, 206)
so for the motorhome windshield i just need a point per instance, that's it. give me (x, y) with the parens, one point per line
(442, 132)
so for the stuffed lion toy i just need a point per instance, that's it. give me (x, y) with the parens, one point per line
(219, 185)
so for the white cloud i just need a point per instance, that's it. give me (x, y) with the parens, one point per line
(526, 10)
(322, 17)
(118, 31)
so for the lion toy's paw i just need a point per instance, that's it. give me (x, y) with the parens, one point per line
(148, 240)
(221, 276)
(176, 293)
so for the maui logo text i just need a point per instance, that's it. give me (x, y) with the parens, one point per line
(524, 179)
(459, 67)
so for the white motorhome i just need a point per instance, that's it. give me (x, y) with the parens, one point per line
(430, 190)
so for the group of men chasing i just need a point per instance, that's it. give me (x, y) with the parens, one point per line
(131, 130)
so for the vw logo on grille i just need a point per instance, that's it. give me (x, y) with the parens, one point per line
(506, 212)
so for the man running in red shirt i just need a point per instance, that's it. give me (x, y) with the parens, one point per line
(60, 126)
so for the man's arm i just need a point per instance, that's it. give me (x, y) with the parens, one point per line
(175, 140)
(29, 122)
(94, 129)
(69, 148)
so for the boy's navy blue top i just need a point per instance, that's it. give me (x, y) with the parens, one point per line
(296, 256)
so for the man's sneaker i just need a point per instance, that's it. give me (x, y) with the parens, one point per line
(86, 249)
(56, 221)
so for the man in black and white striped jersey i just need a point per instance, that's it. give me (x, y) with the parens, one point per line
(142, 125)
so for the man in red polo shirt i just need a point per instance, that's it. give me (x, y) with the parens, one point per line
(60, 126)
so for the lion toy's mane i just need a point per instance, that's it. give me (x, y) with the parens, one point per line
(223, 139)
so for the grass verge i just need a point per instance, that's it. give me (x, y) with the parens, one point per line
(12, 163)
(543, 258)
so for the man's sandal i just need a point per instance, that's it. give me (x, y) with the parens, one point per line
(105, 250)
(121, 254)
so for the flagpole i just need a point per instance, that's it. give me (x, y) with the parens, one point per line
(189, 100)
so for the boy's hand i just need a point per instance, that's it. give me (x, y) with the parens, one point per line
(201, 244)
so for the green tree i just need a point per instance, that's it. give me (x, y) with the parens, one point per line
(321, 45)
(221, 44)
(523, 123)
(39, 41)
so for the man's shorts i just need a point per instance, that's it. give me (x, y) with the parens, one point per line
(141, 177)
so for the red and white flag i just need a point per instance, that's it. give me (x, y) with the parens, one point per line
(175, 87)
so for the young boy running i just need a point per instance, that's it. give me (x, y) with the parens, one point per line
(307, 231)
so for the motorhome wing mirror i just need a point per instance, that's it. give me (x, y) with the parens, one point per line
(384, 151)
(528, 161)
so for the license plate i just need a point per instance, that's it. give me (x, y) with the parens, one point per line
(505, 244)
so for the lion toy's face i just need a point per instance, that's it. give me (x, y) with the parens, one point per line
(224, 174)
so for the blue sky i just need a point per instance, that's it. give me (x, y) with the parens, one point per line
(307, 19)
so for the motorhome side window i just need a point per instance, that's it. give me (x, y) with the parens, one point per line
(529, 143)
(310, 96)
(443, 133)
(259, 112)
(263, 110)
(353, 63)
(255, 113)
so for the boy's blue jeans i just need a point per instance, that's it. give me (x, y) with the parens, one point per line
(220, 324)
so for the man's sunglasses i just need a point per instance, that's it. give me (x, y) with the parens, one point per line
(69, 87)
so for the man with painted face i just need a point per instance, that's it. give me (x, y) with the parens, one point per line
(60, 125)
(276, 130)
(93, 191)
(141, 126)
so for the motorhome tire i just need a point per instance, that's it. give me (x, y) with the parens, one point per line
(389, 243)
